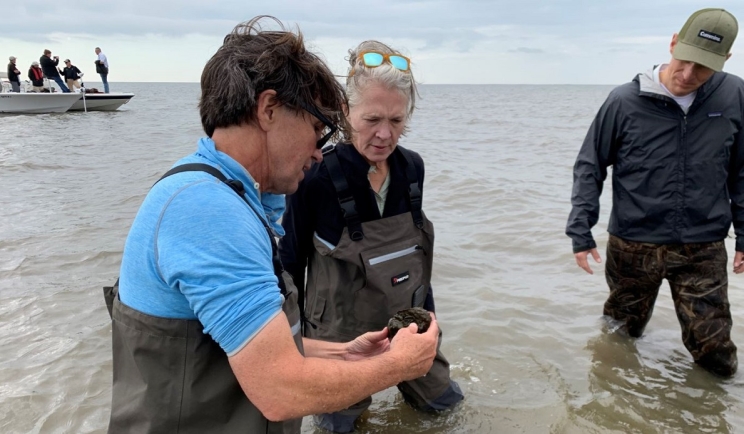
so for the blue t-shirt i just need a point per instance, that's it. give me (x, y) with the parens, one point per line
(197, 251)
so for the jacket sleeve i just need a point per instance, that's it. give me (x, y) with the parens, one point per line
(736, 189)
(590, 170)
(294, 245)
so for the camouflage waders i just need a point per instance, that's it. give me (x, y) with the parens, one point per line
(697, 276)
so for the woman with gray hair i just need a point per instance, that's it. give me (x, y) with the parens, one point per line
(356, 226)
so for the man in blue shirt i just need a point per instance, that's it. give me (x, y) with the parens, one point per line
(205, 323)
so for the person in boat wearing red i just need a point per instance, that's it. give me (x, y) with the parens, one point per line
(14, 75)
(72, 75)
(36, 76)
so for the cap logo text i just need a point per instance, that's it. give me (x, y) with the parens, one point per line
(710, 36)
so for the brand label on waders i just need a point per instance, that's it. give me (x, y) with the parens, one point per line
(402, 277)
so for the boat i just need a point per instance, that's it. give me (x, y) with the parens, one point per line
(56, 102)
(29, 102)
(37, 102)
(101, 101)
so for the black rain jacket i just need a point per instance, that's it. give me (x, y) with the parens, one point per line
(676, 178)
(49, 66)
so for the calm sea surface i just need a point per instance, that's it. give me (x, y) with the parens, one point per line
(522, 323)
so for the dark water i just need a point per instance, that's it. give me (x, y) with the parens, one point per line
(521, 322)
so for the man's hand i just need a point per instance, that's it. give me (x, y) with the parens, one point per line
(738, 262)
(416, 349)
(583, 261)
(367, 345)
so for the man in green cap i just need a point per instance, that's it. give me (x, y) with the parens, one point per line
(674, 138)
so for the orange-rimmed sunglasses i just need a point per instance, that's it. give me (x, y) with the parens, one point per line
(373, 59)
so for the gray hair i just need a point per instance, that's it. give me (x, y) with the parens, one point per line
(360, 76)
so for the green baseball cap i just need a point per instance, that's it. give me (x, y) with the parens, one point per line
(706, 38)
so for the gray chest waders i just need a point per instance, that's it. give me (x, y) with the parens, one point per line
(377, 268)
(171, 377)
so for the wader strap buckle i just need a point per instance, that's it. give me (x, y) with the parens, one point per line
(345, 198)
(238, 188)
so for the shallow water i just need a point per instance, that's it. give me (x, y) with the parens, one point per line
(522, 325)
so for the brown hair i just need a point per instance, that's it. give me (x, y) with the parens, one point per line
(252, 60)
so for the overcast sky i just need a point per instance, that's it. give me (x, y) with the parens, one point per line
(449, 41)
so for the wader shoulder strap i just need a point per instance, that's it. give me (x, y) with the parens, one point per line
(238, 188)
(414, 192)
(345, 198)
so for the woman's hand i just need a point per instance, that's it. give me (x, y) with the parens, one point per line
(367, 345)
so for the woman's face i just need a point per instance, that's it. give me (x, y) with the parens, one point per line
(377, 121)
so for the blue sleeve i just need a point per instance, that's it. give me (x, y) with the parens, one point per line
(215, 251)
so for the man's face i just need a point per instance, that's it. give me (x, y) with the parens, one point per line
(685, 77)
(292, 149)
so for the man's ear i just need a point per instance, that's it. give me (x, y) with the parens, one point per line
(266, 109)
(673, 44)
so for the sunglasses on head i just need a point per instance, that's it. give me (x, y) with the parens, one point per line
(373, 59)
(331, 127)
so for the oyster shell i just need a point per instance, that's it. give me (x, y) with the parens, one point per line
(406, 317)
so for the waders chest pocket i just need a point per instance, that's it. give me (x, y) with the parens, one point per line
(393, 273)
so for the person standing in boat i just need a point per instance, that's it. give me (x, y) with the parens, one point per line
(356, 225)
(102, 68)
(14, 75)
(72, 75)
(49, 67)
(36, 76)
(205, 325)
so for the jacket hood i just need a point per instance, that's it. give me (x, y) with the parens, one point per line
(648, 86)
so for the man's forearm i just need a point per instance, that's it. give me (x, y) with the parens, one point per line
(324, 386)
(324, 350)
(284, 385)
